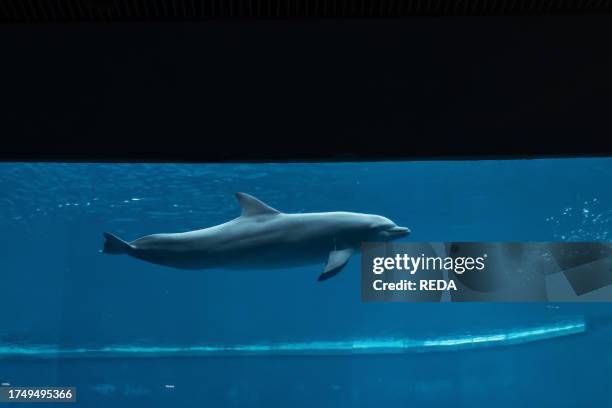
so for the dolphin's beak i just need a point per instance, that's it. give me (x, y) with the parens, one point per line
(398, 231)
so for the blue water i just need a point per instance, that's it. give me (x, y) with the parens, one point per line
(60, 292)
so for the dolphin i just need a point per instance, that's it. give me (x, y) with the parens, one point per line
(264, 238)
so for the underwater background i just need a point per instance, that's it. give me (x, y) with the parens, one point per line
(59, 291)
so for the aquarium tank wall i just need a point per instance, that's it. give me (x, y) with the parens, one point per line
(255, 312)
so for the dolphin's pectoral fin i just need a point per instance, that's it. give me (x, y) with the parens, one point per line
(335, 263)
(252, 206)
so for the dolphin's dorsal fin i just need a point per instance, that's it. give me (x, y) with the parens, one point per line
(252, 206)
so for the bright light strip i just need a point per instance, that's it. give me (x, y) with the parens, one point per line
(312, 348)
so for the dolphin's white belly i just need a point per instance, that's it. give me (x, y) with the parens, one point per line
(279, 257)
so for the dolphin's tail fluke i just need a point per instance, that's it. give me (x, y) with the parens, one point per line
(114, 245)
